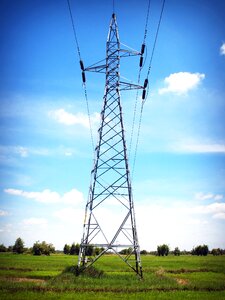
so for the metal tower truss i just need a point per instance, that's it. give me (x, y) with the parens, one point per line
(109, 215)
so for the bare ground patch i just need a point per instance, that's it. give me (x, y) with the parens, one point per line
(180, 271)
(181, 281)
(22, 279)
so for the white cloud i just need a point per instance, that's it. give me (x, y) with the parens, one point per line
(181, 83)
(70, 215)
(198, 148)
(214, 209)
(3, 213)
(35, 221)
(22, 151)
(182, 224)
(218, 197)
(7, 228)
(222, 49)
(219, 216)
(66, 118)
(208, 196)
(68, 153)
(73, 197)
(47, 196)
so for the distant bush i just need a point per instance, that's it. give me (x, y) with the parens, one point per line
(66, 249)
(42, 248)
(143, 252)
(126, 251)
(201, 250)
(10, 249)
(90, 250)
(18, 246)
(75, 249)
(3, 248)
(217, 252)
(176, 251)
(163, 250)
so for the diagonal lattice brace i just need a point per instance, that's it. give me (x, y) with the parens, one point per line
(110, 177)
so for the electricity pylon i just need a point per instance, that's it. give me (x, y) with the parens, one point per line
(110, 195)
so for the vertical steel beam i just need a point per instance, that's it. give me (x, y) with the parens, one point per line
(110, 177)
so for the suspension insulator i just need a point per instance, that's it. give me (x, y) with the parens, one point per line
(83, 77)
(143, 94)
(142, 49)
(81, 65)
(145, 83)
(141, 62)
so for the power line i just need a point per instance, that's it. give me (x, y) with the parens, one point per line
(139, 76)
(156, 37)
(148, 73)
(83, 75)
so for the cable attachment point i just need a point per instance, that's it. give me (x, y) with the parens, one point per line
(83, 73)
(82, 65)
(143, 94)
(145, 83)
(142, 49)
(83, 77)
(144, 89)
(141, 62)
(142, 52)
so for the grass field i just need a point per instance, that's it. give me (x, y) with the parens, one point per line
(40, 277)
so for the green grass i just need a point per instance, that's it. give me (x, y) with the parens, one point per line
(40, 277)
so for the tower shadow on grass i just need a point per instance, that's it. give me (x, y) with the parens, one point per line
(88, 272)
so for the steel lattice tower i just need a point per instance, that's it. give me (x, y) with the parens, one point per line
(110, 187)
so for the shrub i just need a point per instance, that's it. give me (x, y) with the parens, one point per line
(126, 251)
(144, 252)
(176, 251)
(3, 248)
(74, 250)
(202, 250)
(18, 246)
(163, 250)
(42, 248)
(66, 249)
(217, 252)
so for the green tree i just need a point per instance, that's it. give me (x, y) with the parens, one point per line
(90, 250)
(176, 251)
(144, 252)
(202, 250)
(205, 250)
(66, 249)
(163, 250)
(77, 249)
(73, 249)
(18, 246)
(216, 252)
(126, 251)
(51, 248)
(40, 248)
(97, 251)
(37, 249)
(3, 248)
(10, 249)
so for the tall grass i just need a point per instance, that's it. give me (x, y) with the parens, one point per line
(52, 277)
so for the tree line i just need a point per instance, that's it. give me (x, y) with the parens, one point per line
(43, 248)
(39, 248)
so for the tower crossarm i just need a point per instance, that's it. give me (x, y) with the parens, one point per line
(124, 86)
(127, 53)
(110, 189)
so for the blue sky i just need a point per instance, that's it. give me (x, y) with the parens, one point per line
(45, 148)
